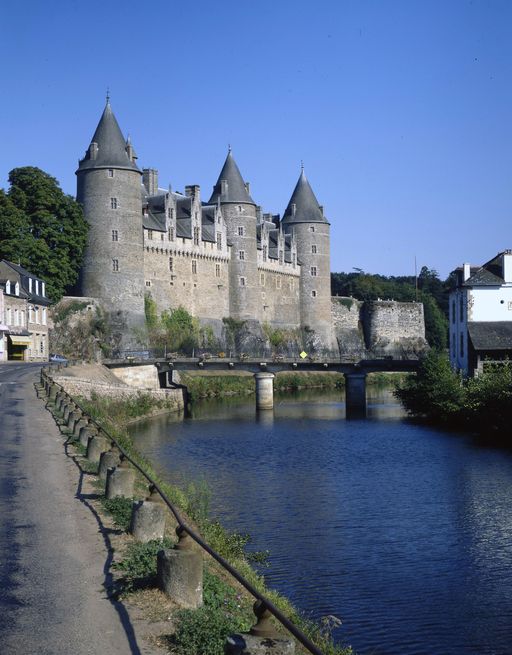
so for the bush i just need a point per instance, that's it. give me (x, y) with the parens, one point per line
(139, 563)
(120, 509)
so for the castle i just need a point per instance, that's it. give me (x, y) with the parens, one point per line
(220, 259)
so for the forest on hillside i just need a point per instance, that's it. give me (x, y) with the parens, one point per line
(428, 289)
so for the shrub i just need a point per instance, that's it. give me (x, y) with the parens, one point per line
(139, 563)
(120, 509)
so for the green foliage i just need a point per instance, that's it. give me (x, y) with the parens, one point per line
(66, 310)
(139, 563)
(120, 509)
(435, 391)
(150, 311)
(204, 631)
(217, 385)
(176, 330)
(42, 228)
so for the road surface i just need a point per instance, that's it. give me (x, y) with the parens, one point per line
(54, 558)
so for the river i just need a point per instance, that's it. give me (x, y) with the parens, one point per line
(402, 531)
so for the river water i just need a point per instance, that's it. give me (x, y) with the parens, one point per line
(402, 531)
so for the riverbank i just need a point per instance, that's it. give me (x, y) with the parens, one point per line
(227, 607)
(205, 384)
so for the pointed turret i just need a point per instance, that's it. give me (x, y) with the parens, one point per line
(108, 146)
(230, 186)
(303, 206)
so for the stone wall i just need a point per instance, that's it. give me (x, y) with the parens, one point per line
(378, 328)
(141, 377)
(279, 295)
(82, 387)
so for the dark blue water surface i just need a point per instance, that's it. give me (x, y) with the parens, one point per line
(402, 531)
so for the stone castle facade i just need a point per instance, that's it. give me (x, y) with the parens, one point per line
(218, 258)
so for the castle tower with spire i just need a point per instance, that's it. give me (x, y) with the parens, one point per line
(304, 219)
(238, 209)
(108, 188)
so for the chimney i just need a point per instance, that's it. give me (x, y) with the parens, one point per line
(507, 266)
(466, 272)
(192, 190)
(223, 187)
(150, 180)
(248, 188)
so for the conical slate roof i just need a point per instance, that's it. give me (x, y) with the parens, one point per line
(111, 144)
(307, 209)
(236, 190)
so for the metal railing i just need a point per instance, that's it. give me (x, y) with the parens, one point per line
(265, 603)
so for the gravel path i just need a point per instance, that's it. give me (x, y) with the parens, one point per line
(54, 556)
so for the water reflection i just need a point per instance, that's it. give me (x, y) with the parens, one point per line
(401, 530)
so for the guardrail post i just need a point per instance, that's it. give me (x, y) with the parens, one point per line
(108, 459)
(148, 518)
(53, 392)
(120, 480)
(262, 639)
(95, 447)
(180, 572)
(81, 423)
(86, 432)
(68, 408)
(73, 419)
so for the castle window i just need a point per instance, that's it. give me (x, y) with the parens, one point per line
(313, 271)
(171, 233)
(162, 237)
(262, 279)
(241, 255)
(113, 203)
(194, 266)
(148, 283)
(42, 345)
(313, 294)
(264, 253)
(278, 282)
(196, 236)
(43, 317)
(294, 260)
(111, 172)
(171, 264)
(219, 240)
(313, 249)
(115, 235)
(242, 282)
(17, 289)
(150, 234)
(115, 269)
(217, 270)
(311, 228)
(241, 231)
(280, 256)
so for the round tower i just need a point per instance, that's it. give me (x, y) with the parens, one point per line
(239, 212)
(109, 190)
(305, 219)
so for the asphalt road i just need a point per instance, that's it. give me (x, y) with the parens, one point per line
(54, 557)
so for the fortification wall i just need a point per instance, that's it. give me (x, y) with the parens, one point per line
(198, 281)
(279, 297)
(378, 328)
(390, 326)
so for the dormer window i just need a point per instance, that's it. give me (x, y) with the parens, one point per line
(8, 286)
(17, 289)
(37, 287)
(111, 172)
(30, 284)
(43, 291)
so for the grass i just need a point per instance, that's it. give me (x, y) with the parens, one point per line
(138, 565)
(120, 509)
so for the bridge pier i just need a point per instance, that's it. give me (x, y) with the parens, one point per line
(355, 394)
(264, 390)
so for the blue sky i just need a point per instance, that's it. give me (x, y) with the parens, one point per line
(401, 110)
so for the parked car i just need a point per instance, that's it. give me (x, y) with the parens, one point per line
(58, 359)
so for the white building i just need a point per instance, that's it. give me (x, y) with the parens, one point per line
(481, 314)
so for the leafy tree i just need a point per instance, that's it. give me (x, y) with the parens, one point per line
(42, 229)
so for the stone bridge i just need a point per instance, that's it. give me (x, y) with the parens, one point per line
(355, 372)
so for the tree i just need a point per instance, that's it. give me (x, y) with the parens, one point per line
(42, 229)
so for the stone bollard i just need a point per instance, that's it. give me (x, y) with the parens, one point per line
(110, 458)
(180, 572)
(73, 419)
(81, 423)
(87, 432)
(120, 481)
(262, 639)
(148, 518)
(62, 399)
(95, 447)
(68, 408)
(53, 392)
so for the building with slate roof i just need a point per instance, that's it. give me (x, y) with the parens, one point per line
(219, 258)
(481, 314)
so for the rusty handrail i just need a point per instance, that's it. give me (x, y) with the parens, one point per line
(284, 620)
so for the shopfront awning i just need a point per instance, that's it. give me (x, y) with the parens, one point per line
(18, 340)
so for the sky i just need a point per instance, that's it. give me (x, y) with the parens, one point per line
(401, 110)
